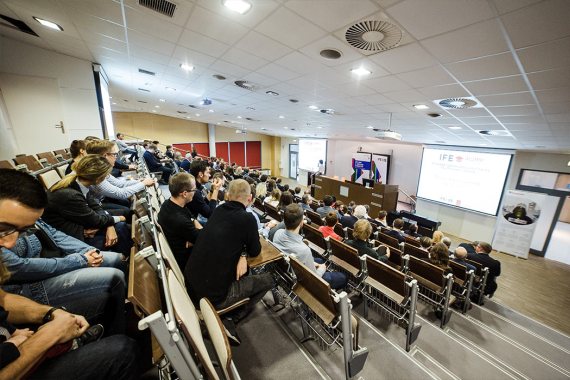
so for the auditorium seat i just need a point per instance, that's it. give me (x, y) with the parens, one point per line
(388, 240)
(49, 157)
(63, 152)
(340, 230)
(314, 236)
(49, 178)
(415, 252)
(314, 217)
(61, 170)
(273, 212)
(411, 241)
(345, 259)
(462, 284)
(5, 164)
(30, 161)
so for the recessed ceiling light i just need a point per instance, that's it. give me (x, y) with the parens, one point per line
(319, 127)
(156, 106)
(49, 24)
(314, 107)
(186, 67)
(239, 6)
(239, 117)
(281, 117)
(169, 89)
(110, 97)
(370, 127)
(161, 100)
(187, 117)
(272, 93)
(285, 127)
(114, 103)
(483, 144)
(420, 106)
(361, 71)
(197, 114)
(454, 127)
(210, 111)
(153, 110)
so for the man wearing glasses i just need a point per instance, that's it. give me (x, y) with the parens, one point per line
(22, 200)
(180, 228)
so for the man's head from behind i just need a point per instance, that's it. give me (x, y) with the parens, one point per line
(105, 148)
(398, 224)
(382, 214)
(331, 219)
(460, 253)
(359, 212)
(239, 190)
(182, 186)
(292, 216)
(200, 170)
(22, 201)
(328, 200)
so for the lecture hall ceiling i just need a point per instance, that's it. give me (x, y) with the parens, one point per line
(511, 57)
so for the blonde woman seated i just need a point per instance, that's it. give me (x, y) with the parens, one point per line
(274, 198)
(361, 234)
(73, 210)
(437, 237)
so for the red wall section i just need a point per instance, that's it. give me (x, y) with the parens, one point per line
(222, 150)
(253, 154)
(237, 153)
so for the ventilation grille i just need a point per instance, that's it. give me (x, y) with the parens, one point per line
(16, 24)
(373, 35)
(143, 89)
(143, 71)
(163, 7)
(245, 85)
(457, 103)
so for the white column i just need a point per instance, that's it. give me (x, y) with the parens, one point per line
(212, 139)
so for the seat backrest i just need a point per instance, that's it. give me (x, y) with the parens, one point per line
(415, 251)
(427, 271)
(49, 156)
(217, 336)
(169, 258)
(313, 291)
(459, 270)
(61, 170)
(49, 178)
(387, 276)
(478, 267)
(314, 217)
(349, 233)
(411, 241)
(5, 164)
(258, 204)
(388, 240)
(339, 230)
(190, 323)
(273, 212)
(395, 254)
(30, 161)
(345, 252)
(314, 236)
(143, 289)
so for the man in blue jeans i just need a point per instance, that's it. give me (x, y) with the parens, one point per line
(290, 241)
(22, 200)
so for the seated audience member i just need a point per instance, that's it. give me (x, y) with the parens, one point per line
(180, 228)
(437, 237)
(156, 165)
(413, 231)
(169, 152)
(285, 200)
(439, 256)
(274, 198)
(262, 228)
(305, 202)
(185, 164)
(425, 243)
(396, 231)
(77, 151)
(24, 352)
(270, 187)
(341, 208)
(381, 219)
(124, 147)
(119, 166)
(116, 191)
(261, 191)
(459, 257)
(446, 241)
(202, 203)
(328, 202)
(290, 241)
(328, 229)
(361, 234)
(470, 247)
(178, 158)
(217, 267)
(279, 185)
(73, 210)
(348, 219)
(483, 257)
(298, 194)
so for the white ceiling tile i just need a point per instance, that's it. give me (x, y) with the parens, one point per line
(332, 15)
(544, 21)
(375, 99)
(473, 41)
(106, 9)
(154, 26)
(260, 80)
(406, 96)
(144, 54)
(229, 70)
(279, 27)
(278, 72)
(506, 6)
(388, 84)
(526, 119)
(404, 58)
(497, 86)
(548, 55)
(519, 98)
(87, 24)
(331, 42)
(202, 44)
(191, 57)
(157, 44)
(443, 92)
(559, 107)
(299, 63)
(215, 26)
(544, 80)
(244, 59)
(431, 76)
(469, 112)
(262, 46)
(428, 18)
(514, 110)
(561, 94)
(558, 118)
(494, 66)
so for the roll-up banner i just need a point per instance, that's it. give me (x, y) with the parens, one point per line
(380, 163)
(517, 221)
(360, 166)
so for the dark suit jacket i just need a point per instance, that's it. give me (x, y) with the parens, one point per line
(494, 269)
(397, 235)
(154, 165)
(70, 212)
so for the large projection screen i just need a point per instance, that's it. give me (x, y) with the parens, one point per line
(471, 180)
(311, 151)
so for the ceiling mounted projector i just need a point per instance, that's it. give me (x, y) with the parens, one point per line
(387, 134)
(205, 102)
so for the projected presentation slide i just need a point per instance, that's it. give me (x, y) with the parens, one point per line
(311, 151)
(466, 179)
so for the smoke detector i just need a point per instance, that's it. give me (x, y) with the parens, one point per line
(457, 103)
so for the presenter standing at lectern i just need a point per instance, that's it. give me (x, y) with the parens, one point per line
(321, 167)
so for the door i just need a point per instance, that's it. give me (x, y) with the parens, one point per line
(293, 160)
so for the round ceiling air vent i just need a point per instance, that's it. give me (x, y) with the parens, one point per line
(328, 111)
(373, 35)
(330, 54)
(495, 132)
(245, 85)
(219, 77)
(434, 114)
(457, 103)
